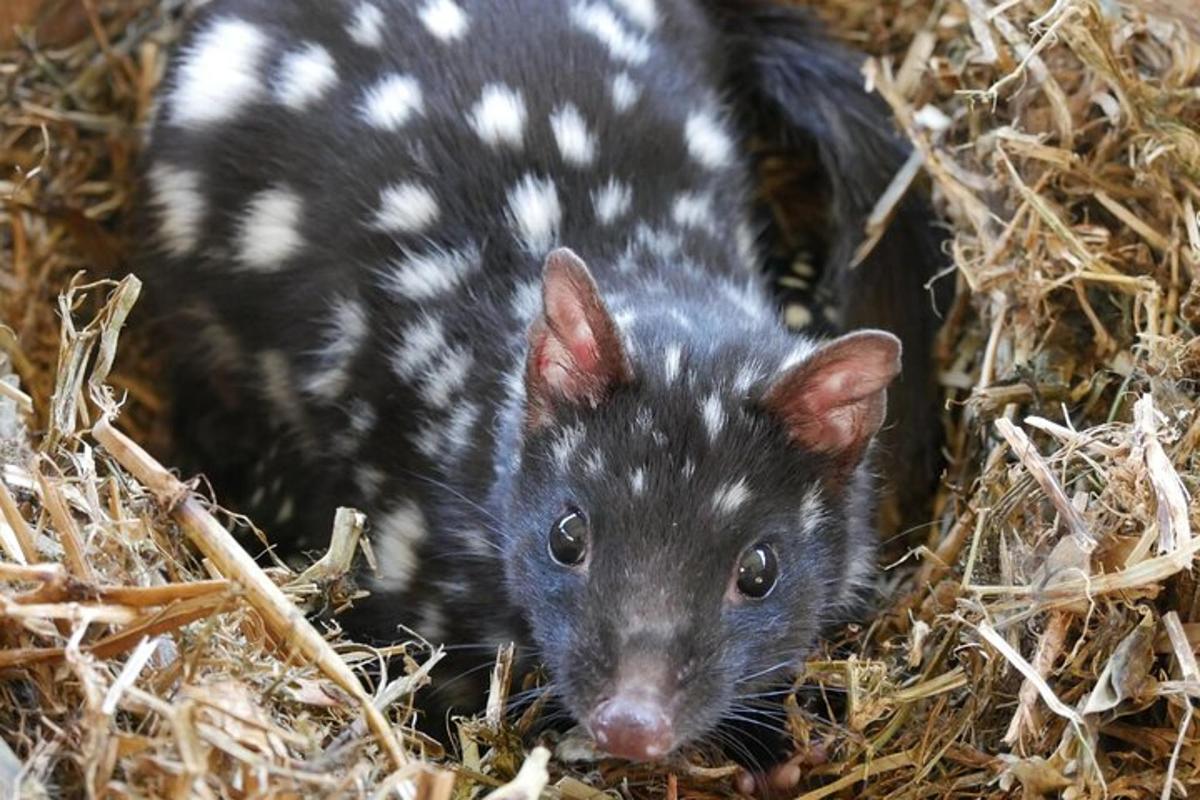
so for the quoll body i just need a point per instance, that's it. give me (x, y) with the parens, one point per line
(490, 271)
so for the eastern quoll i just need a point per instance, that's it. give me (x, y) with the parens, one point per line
(490, 270)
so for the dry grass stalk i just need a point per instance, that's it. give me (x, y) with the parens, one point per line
(286, 622)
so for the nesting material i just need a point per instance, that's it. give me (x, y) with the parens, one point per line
(1037, 640)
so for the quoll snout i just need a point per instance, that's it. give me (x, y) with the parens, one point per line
(633, 723)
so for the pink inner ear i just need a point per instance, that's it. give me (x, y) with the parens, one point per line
(565, 312)
(576, 354)
(835, 401)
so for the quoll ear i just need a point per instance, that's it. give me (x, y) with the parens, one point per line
(575, 350)
(835, 400)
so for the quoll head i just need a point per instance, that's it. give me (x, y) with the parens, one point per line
(678, 523)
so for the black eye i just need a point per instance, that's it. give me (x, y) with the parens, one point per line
(757, 571)
(569, 539)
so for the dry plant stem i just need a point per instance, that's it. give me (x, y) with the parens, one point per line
(23, 401)
(174, 616)
(436, 785)
(1174, 525)
(1191, 673)
(1040, 470)
(68, 531)
(1050, 645)
(947, 551)
(499, 685)
(530, 780)
(281, 617)
(872, 767)
(1031, 674)
(348, 525)
(12, 516)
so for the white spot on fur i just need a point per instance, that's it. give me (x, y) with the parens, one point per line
(270, 232)
(797, 354)
(565, 445)
(714, 416)
(366, 25)
(576, 143)
(215, 342)
(745, 299)
(430, 273)
(304, 75)
(406, 208)
(812, 510)
(707, 140)
(598, 21)
(747, 375)
(175, 194)
(432, 624)
(445, 19)
(747, 247)
(625, 318)
(278, 389)
(438, 440)
(419, 344)
(446, 376)
(499, 116)
(663, 243)
(625, 92)
(535, 211)
(527, 301)
(344, 333)
(362, 416)
(369, 479)
(593, 463)
(671, 362)
(689, 470)
(730, 497)
(218, 73)
(691, 210)
(642, 12)
(287, 510)
(396, 537)
(361, 419)
(457, 433)
(391, 101)
(612, 201)
(637, 481)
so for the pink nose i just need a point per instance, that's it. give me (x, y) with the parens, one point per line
(633, 726)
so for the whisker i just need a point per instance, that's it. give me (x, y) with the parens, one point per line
(761, 673)
(446, 682)
(447, 487)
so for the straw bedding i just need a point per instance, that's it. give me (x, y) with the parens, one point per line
(1037, 640)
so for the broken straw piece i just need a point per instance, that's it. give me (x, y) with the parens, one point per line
(1174, 527)
(530, 781)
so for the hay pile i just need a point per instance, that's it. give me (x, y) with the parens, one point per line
(1039, 640)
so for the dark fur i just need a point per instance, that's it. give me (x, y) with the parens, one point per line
(484, 575)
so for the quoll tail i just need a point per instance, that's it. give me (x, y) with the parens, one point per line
(794, 88)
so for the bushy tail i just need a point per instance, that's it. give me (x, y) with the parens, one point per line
(795, 88)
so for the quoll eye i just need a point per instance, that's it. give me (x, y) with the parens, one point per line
(757, 571)
(569, 539)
